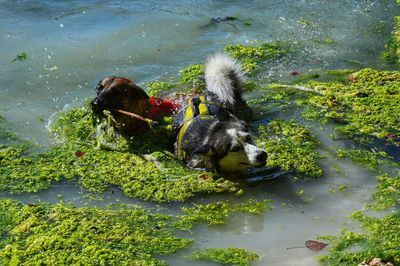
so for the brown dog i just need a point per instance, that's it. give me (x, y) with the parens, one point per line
(117, 94)
(131, 108)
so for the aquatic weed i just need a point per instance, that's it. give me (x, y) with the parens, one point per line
(367, 106)
(387, 193)
(62, 234)
(215, 213)
(290, 146)
(392, 53)
(251, 56)
(380, 240)
(226, 256)
(90, 152)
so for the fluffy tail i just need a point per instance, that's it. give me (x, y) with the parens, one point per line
(224, 78)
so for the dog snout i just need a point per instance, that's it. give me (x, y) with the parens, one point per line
(262, 157)
(97, 105)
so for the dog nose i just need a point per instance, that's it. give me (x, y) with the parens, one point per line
(96, 105)
(262, 156)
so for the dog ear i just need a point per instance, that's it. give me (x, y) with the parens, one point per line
(204, 150)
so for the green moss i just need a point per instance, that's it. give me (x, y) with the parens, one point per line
(272, 95)
(337, 75)
(6, 135)
(251, 56)
(387, 193)
(156, 88)
(325, 41)
(381, 240)
(226, 256)
(8, 220)
(290, 146)
(90, 152)
(215, 213)
(392, 53)
(65, 235)
(305, 23)
(20, 57)
(370, 159)
(193, 75)
(368, 106)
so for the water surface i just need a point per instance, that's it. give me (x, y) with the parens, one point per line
(71, 45)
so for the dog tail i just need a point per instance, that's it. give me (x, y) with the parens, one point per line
(224, 78)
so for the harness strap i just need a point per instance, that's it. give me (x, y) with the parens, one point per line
(196, 107)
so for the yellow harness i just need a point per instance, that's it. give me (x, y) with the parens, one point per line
(196, 107)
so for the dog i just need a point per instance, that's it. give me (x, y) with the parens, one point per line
(131, 108)
(212, 130)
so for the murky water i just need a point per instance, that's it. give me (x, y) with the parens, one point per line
(73, 44)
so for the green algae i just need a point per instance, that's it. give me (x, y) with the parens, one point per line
(368, 106)
(62, 234)
(291, 147)
(381, 240)
(6, 135)
(21, 57)
(274, 95)
(392, 53)
(193, 75)
(339, 75)
(90, 152)
(191, 80)
(157, 88)
(215, 213)
(371, 160)
(387, 193)
(250, 56)
(226, 256)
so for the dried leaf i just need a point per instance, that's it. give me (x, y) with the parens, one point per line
(315, 245)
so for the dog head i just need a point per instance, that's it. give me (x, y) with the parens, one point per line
(228, 147)
(117, 93)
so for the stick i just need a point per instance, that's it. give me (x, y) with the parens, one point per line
(295, 247)
(136, 116)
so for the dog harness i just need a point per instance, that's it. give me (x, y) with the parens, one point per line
(160, 108)
(197, 107)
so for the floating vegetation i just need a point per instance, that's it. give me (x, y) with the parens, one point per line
(251, 56)
(392, 53)
(98, 158)
(192, 80)
(226, 256)
(339, 75)
(6, 135)
(20, 57)
(156, 88)
(62, 234)
(367, 106)
(215, 213)
(388, 192)
(194, 75)
(381, 240)
(274, 95)
(291, 147)
(368, 158)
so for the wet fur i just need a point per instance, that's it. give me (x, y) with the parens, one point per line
(222, 142)
(113, 93)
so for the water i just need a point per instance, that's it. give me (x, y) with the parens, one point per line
(73, 44)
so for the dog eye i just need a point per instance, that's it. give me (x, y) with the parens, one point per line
(235, 149)
(248, 138)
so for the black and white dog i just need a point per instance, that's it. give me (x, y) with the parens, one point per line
(212, 131)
